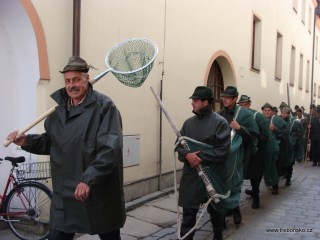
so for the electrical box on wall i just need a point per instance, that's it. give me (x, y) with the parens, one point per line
(131, 150)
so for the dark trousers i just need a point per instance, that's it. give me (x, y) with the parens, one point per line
(58, 235)
(315, 151)
(255, 184)
(289, 171)
(190, 218)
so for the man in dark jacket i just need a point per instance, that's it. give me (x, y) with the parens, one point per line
(84, 140)
(211, 130)
(315, 137)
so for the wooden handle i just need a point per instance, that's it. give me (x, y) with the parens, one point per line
(6, 143)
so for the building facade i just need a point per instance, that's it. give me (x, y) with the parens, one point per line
(268, 49)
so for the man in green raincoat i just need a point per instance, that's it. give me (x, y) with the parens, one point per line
(256, 160)
(273, 165)
(301, 143)
(295, 131)
(244, 131)
(84, 140)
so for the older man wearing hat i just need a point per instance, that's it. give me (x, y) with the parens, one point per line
(84, 140)
(210, 128)
(244, 131)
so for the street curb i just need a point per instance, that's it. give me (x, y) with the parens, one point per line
(147, 198)
(3, 225)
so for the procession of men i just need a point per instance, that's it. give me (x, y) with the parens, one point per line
(285, 136)
(283, 139)
(264, 147)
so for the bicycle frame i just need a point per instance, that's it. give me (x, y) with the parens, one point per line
(12, 181)
(25, 203)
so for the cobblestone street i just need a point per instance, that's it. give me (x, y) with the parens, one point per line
(293, 214)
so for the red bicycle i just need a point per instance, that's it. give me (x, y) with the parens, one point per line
(25, 202)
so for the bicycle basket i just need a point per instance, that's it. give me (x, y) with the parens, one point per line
(34, 171)
(131, 61)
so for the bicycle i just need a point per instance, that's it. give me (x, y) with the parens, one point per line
(25, 203)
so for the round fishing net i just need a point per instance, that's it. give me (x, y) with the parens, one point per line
(131, 61)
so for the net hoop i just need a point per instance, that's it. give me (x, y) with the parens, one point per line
(131, 61)
(127, 42)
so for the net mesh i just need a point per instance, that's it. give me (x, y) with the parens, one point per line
(131, 61)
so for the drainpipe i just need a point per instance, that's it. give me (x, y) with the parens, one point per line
(316, 13)
(76, 27)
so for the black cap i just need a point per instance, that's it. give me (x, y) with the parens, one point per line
(202, 92)
(230, 92)
(244, 98)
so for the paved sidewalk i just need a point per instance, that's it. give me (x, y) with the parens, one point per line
(293, 214)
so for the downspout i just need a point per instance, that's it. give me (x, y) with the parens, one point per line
(160, 111)
(76, 27)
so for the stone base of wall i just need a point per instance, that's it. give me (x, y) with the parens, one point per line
(142, 187)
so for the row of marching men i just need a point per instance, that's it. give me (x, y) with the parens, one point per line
(278, 138)
(262, 146)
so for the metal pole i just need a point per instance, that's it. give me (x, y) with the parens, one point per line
(76, 27)
(288, 94)
(313, 45)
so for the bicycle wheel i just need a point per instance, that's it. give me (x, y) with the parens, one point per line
(28, 210)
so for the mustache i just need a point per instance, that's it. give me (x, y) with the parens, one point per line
(71, 89)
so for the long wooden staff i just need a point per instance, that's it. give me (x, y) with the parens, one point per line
(309, 128)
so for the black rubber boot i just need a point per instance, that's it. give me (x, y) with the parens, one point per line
(248, 192)
(237, 215)
(275, 189)
(255, 183)
(255, 202)
(217, 235)
(289, 175)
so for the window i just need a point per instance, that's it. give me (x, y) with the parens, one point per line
(300, 71)
(309, 19)
(256, 44)
(308, 76)
(292, 65)
(303, 11)
(295, 5)
(316, 48)
(314, 89)
(318, 91)
(279, 56)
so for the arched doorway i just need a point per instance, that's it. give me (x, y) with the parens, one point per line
(215, 82)
(220, 74)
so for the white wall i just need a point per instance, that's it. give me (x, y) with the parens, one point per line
(19, 76)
